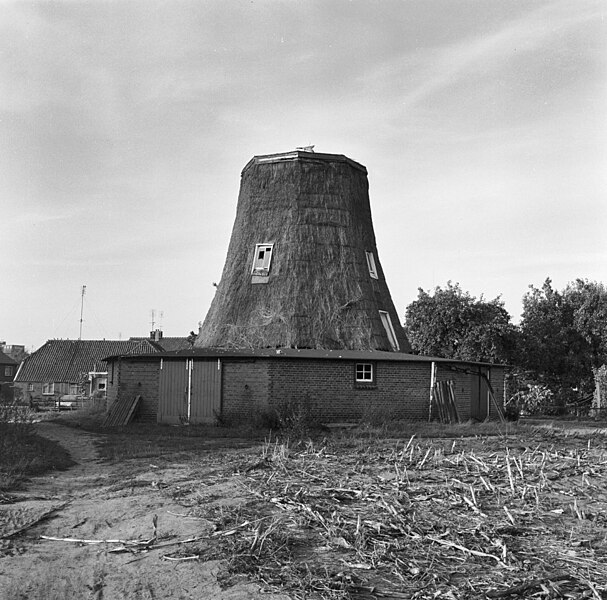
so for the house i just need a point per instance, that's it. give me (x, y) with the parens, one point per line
(15, 351)
(302, 314)
(71, 367)
(8, 369)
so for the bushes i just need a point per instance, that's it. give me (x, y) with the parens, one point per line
(22, 452)
(296, 418)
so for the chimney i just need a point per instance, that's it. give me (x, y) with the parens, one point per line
(156, 335)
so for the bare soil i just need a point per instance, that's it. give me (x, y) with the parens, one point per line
(131, 501)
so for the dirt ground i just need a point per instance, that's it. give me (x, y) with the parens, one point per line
(132, 501)
(515, 512)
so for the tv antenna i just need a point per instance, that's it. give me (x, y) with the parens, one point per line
(81, 310)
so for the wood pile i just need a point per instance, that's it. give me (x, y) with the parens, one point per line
(122, 412)
(443, 402)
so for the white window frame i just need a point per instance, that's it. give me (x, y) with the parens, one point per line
(371, 264)
(30, 387)
(74, 389)
(261, 265)
(364, 372)
(8, 371)
(387, 323)
(48, 389)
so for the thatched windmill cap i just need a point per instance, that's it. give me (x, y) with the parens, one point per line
(302, 155)
(302, 269)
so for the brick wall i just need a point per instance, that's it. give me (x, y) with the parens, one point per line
(244, 388)
(400, 391)
(132, 378)
(249, 386)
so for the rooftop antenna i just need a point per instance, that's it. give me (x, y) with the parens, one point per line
(81, 310)
(160, 320)
(153, 319)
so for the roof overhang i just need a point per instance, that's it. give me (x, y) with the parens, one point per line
(294, 353)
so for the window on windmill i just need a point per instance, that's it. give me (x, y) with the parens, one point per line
(262, 259)
(371, 264)
(387, 323)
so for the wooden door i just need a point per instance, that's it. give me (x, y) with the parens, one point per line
(205, 391)
(479, 396)
(173, 392)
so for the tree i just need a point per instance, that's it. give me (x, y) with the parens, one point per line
(564, 334)
(451, 323)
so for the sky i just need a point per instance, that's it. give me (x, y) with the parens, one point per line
(124, 127)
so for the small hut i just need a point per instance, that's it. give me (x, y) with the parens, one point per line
(302, 269)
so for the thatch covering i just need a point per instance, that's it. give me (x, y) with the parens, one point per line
(314, 209)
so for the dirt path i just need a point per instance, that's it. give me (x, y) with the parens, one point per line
(98, 501)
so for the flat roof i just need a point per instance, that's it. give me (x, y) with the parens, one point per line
(285, 353)
(303, 155)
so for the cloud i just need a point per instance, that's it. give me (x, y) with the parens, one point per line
(426, 72)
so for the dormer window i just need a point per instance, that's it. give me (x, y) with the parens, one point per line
(371, 264)
(261, 262)
(387, 323)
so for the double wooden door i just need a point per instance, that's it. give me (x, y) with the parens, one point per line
(189, 391)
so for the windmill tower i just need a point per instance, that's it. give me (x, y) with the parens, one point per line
(302, 269)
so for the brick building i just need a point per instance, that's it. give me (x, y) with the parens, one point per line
(203, 385)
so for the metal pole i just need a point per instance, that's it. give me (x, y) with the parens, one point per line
(81, 311)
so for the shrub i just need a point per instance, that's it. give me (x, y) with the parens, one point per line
(298, 418)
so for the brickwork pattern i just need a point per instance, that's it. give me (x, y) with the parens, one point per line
(245, 387)
(401, 390)
(132, 378)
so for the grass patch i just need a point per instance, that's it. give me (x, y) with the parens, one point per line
(170, 443)
(23, 453)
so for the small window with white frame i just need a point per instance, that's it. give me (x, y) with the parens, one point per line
(30, 387)
(387, 323)
(364, 373)
(371, 264)
(262, 259)
(48, 389)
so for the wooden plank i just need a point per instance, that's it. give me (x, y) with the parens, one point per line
(452, 400)
(122, 412)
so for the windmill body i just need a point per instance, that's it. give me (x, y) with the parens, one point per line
(302, 269)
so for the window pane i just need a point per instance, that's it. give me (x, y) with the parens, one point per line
(387, 323)
(364, 372)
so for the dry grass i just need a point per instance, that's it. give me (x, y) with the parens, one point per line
(24, 454)
(505, 516)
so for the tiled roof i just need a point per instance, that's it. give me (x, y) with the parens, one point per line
(68, 360)
(7, 360)
(168, 344)
(172, 344)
